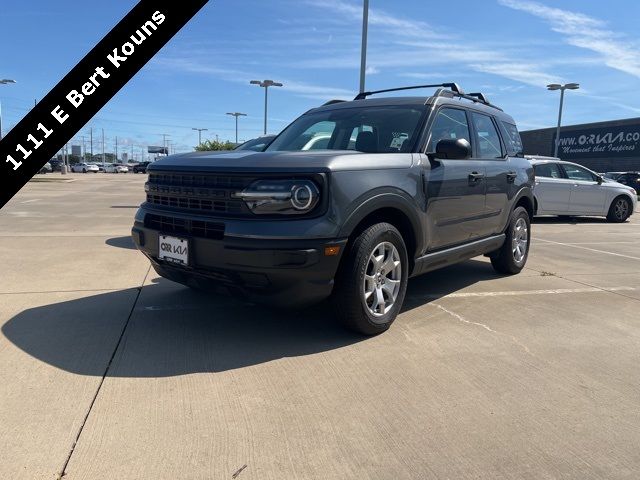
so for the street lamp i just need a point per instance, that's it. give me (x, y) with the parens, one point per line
(266, 84)
(238, 114)
(200, 130)
(4, 81)
(562, 88)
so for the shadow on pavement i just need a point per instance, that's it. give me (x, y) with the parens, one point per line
(439, 283)
(174, 330)
(564, 220)
(121, 242)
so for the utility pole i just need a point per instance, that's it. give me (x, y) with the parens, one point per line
(103, 147)
(91, 137)
(237, 114)
(164, 142)
(265, 84)
(116, 149)
(83, 153)
(363, 51)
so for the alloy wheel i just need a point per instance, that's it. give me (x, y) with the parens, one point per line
(382, 279)
(520, 240)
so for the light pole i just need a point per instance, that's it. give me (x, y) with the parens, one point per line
(265, 84)
(4, 81)
(363, 50)
(200, 130)
(238, 114)
(562, 88)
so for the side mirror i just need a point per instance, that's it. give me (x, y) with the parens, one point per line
(458, 149)
(599, 180)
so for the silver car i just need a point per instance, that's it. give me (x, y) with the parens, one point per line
(565, 188)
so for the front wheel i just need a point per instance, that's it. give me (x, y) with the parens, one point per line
(512, 256)
(620, 210)
(84, 170)
(372, 283)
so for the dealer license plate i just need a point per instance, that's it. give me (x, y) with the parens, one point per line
(174, 249)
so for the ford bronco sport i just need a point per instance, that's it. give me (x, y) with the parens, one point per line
(349, 201)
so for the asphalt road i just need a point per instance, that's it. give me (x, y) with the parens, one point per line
(107, 371)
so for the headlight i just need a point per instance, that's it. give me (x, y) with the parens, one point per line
(289, 197)
(146, 186)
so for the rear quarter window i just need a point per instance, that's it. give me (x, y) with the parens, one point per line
(512, 139)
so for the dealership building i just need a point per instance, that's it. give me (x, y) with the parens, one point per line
(612, 146)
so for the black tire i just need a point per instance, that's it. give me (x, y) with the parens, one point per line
(349, 300)
(620, 209)
(84, 170)
(504, 260)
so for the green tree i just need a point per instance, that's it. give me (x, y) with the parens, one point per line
(214, 145)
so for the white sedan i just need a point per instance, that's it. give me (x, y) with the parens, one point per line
(84, 168)
(111, 168)
(565, 188)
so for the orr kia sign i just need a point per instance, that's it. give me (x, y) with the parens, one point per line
(602, 142)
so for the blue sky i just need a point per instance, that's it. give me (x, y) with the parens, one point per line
(508, 49)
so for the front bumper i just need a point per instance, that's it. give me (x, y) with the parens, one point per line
(282, 272)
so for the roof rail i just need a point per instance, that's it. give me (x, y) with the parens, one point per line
(476, 97)
(331, 102)
(453, 86)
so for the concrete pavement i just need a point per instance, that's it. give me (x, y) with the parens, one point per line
(482, 376)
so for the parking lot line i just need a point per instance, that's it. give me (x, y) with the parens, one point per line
(512, 293)
(573, 245)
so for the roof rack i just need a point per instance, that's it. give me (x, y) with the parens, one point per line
(476, 97)
(453, 86)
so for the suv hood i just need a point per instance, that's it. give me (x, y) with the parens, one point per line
(301, 161)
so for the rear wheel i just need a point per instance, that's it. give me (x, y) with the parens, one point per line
(371, 286)
(512, 256)
(619, 210)
(84, 170)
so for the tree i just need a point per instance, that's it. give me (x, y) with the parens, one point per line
(214, 145)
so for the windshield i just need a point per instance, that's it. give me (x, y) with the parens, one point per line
(384, 129)
(257, 144)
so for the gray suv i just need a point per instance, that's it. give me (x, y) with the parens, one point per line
(349, 201)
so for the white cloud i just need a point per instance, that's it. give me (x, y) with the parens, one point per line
(303, 89)
(371, 70)
(381, 18)
(586, 32)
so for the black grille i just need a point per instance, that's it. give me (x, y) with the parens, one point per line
(199, 192)
(184, 226)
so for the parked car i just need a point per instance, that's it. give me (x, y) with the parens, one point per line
(256, 144)
(141, 167)
(565, 188)
(84, 168)
(631, 179)
(56, 164)
(115, 168)
(428, 182)
(46, 168)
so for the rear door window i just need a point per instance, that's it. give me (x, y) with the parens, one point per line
(487, 136)
(547, 170)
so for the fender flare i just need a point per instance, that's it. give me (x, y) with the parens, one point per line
(385, 199)
(522, 193)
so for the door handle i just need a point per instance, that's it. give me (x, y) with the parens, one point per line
(475, 177)
(511, 177)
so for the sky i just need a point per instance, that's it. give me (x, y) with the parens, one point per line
(507, 49)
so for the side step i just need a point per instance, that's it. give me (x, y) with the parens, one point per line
(433, 261)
